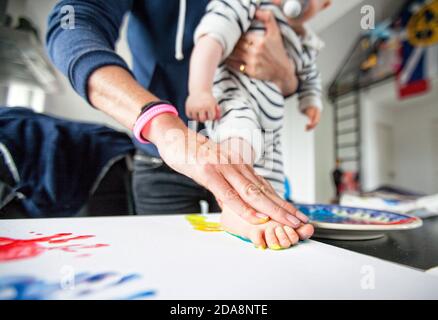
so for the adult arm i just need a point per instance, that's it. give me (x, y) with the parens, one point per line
(86, 43)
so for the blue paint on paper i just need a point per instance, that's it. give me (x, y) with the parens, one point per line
(32, 288)
(141, 295)
(99, 277)
(127, 278)
(241, 238)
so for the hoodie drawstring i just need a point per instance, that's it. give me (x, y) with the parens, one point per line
(180, 31)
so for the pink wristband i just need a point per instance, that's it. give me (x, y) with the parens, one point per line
(146, 117)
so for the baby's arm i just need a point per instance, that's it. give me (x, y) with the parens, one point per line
(309, 94)
(201, 105)
(215, 37)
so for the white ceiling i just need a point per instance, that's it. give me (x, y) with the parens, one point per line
(332, 14)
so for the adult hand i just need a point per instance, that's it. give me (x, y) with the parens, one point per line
(264, 57)
(235, 185)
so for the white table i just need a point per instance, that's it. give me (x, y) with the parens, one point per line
(177, 262)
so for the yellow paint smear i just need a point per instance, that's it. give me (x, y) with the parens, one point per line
(200, 223)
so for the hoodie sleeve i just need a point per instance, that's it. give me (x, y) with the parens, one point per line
(226, 21)
(87, 41)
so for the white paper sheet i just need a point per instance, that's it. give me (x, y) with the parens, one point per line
(175, 261)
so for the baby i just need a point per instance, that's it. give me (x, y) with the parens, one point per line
(250, 111)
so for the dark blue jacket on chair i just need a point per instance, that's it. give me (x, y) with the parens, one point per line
(55, 164)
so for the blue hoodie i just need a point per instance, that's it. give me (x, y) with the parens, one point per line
(152, 37)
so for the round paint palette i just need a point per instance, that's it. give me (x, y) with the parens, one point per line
(347, 223)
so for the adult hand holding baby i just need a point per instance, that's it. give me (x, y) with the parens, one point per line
(260, 57)
(264, 57)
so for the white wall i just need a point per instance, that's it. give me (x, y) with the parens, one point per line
(372, 114)
(327, 17)
(416, 147)
(324, 156)
(299, 154)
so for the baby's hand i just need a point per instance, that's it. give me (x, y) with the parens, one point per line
(314, 115)
(202, 106)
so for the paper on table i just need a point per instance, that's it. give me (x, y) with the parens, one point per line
(433, 271)
(176, 262)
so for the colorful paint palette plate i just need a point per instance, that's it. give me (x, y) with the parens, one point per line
(347, 223)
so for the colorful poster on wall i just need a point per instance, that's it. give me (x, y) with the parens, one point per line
(419, 51)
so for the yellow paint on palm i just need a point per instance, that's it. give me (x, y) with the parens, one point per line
(200, 223)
